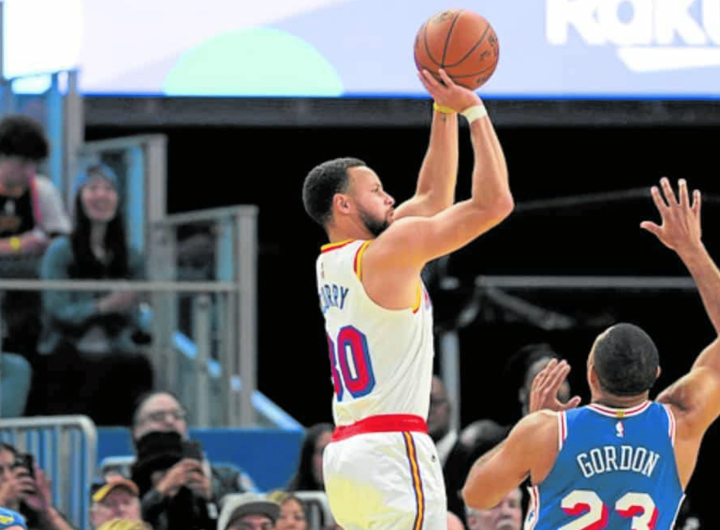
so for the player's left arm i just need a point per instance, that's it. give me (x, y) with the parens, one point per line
(438, 174)
(505, 467)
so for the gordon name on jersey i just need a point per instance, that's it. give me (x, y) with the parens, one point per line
(609, 458)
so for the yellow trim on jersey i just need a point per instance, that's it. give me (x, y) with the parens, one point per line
(333, 246)
(357, 265)
(416, 480)
(418, 299)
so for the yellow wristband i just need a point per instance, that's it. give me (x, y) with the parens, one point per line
(444, 110)
(15, 243)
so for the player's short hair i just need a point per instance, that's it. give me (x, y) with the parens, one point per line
(321, 185)
(23, 137)
(626, 360)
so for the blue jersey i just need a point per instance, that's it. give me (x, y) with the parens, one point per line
(615, 469)
(8, 519)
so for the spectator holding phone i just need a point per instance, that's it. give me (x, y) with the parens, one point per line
(160, 411)
(25, 489)
(174, 489)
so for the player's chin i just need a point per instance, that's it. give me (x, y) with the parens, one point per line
(506, 525)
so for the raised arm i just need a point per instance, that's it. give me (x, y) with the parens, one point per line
(412, 242)
(438, 175)
(695, 398)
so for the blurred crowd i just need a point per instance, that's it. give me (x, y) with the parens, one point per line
(72, 352)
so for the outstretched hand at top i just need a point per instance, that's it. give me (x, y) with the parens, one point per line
(545, 386)
(448, 94)
(680, 228)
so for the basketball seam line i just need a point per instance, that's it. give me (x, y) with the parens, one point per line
(449, 35)
(478, 43)
(427, 48)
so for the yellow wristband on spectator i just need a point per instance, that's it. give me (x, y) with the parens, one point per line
(444, 110)
(15, 243)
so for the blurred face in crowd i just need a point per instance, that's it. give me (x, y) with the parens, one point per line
(507, 515)
(120, 503)
(7, 464)
(439, 415)
(99, 199)
(252, 522)
(317, 464)
(292, 516)
(16, 172)
(160, 412)
(536, 368)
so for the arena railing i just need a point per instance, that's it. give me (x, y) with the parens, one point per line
(65, 447)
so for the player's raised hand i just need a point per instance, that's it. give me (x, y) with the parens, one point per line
(680, 218)
(545, 386)
(447, 93)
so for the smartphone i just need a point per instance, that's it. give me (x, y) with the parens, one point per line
(27, 461)
(191, 449)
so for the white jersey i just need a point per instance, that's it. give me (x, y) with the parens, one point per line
(381, 359)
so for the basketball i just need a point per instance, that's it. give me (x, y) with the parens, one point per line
(461, 42)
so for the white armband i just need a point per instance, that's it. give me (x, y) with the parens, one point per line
(475, 113)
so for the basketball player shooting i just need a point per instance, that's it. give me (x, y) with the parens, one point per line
(622, 461)
(381, 470)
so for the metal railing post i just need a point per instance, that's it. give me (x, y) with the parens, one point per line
(246, 226)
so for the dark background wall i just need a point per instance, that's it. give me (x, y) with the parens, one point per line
(210, 167)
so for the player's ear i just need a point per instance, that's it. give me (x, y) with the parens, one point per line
(657, 373)
(341, 202)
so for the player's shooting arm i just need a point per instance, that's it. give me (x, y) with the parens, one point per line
(438, 175)
(506, 466)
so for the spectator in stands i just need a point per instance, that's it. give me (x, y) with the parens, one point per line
(25, 489)
(15, 377)
(248, 511)
(10, 520)
(507, 515)
(114, 497)
(293, 513)
(92, 342)
(309, 475)
(124, 524)
(161, 411)
(174, 489)
(31, 214)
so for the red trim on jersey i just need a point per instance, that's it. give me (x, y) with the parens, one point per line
(381, 423)
(671, 424)
(619, 413)
(335, 246)
(562, 434)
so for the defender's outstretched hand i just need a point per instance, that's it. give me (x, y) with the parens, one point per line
(448, 94)
(545, 386)
(680, 226)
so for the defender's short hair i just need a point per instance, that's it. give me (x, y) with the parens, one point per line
(23, 137)
(626, 360)
(321, 185)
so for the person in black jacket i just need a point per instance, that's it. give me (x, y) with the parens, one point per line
(174, 489)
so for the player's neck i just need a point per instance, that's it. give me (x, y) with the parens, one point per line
(336, 234)
(620, 402)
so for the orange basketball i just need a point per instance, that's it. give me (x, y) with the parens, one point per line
(460, 41)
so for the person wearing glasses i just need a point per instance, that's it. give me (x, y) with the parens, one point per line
(160, 411)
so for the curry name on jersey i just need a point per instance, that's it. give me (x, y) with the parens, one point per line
(381, 360)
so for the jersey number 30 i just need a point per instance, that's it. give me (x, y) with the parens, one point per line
(593, 513)
(350, 363)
